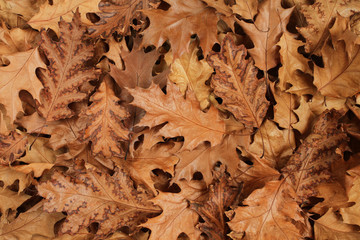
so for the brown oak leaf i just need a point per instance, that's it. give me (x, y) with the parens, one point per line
(111, 201)
(66, 71)
(235, 81)
(12, 146)
(179, 22)
(19, 75)
(339, 76)
(311, 165)
(266, 31)
(270, 213)
(212, 211)
(104, 126)
(49, 15)
(319, 16)
(183, 116)
(117, 15)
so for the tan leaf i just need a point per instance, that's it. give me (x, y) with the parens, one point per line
(36, 168)
(175, 218)
(104, 127)
(184, 117)
(339, 76)
(245, 8)
(190, 73)
(235, 81)
(179, 22)
(351, 215)
(330, 226)
(118, 15)
(39, 152)
(34, 223)
(212, 211)
(294, 67)
(270, 23)
(319, 16)
(65, 72)
(284, 109)
(220, 6)
(49, 15)
(203, 159)
(17, 40)
(19, 75)
(11, 200)
(311, 165)
(270, 213)
(12, 146)
(8, 175)
(93, 196)
(305, 116)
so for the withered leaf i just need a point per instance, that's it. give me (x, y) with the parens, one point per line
(66, 71)
(118, 15)
(179, 22)
(311, 165)
(111, 201)
(266, 31)
(19, 75)
(235, 81)
(212, 211)
(12, 146)
(270, 213)
(183, 116)
(104, 127)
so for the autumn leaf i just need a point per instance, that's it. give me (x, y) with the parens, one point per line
(104, 128)
(19, 75)
(188, 72)
(212, 211)
(265, 33)
(11, 200)
(195, 125)
(112, 201)
(319, 16)
(311, 165)
(235, 81)
(12, 146)
(49, 15)
(66, 71)
(270, 212)
(178, 23)
(118, 15)
(338, 80)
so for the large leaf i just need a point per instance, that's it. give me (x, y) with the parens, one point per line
(111, 201)
(66, 71)
(183, 116)
(236, 83)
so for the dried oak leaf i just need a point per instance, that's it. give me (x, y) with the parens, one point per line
(19, 75)
(183, 116)
(351, 215)
(270, 23)
(330, 226)
(142, 161)
(111, 201)
(34, 223)
(203, 159)
(49, 15)
(270, 213)
(339, 76)
(17, 40)
(118, 15)
(319, 16)
(235, 81)
(104, 126)
(12, 146)
(39, 152)
(247, 9)
(66, 71)
(179, 22)
(176, 217)
(8, 175)
(312, 163)
(294, 67)
(212, 211)
(188, 72)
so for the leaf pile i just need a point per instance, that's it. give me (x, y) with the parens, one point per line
(171, 119)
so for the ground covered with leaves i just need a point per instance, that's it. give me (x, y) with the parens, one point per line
(174, 119)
